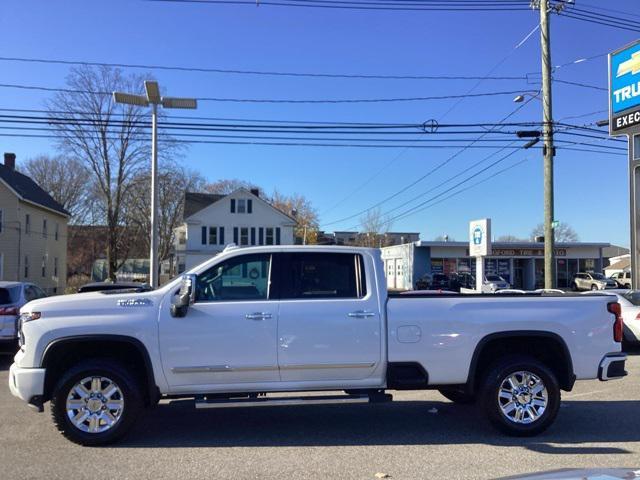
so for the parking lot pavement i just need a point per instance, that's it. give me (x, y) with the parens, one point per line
(598, 426)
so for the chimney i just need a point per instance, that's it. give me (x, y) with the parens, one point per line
(10, 160)
(255, 191)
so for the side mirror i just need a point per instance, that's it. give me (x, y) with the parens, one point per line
(186, 296)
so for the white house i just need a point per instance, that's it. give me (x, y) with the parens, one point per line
(213, 221)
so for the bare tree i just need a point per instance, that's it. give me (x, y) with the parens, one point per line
(173, 181)
(562, 233)
(65, 179)
(111, 140)
(225, 187)
(373, 228)
(510, 239)
(300, 208)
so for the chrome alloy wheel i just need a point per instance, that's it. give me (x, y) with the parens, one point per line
(95, 404)
(522, 397)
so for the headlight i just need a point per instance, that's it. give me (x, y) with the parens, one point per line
(27, 317)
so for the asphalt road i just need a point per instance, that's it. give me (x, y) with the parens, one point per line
(598, 426)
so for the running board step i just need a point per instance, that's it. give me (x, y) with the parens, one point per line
(277, 401)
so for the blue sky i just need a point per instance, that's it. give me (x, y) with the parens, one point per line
(591, 188)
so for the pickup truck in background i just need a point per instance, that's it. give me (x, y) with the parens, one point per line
(253, 322)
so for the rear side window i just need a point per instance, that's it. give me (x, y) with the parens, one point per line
(323, 275)
(9, 295)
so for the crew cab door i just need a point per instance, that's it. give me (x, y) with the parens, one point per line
(329, 327)
(229, 335)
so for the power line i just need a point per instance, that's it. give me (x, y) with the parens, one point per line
(264, 100)
(256, 72)
(476, 85)
(353, 5)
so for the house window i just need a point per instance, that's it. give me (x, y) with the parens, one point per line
(278, 236)
(26, 266)
(244, 236)
(221, 235)
(55, 266)
(0, 225)
(249, 206)
(261, 236)
(253, 235)
(44, 266)
(27, 224)
(1, 265)
(213, 236)
(233, 205)
(44, 228)
(242, 205)
(182, 237)
(57, 232)
(204, 235)
(269, 235)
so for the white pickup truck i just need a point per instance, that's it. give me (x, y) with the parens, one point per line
(253, 322)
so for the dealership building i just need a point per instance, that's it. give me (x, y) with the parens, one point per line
(521, 263)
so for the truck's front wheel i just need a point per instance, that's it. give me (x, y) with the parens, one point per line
(521, 396)
(95, 402)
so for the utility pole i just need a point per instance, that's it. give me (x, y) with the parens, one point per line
(548, 149)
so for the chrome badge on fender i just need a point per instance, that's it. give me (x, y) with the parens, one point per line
(135, 302)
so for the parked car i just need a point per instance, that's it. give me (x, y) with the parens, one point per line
(111, 286)
(629, 301)
(623, 279)
(13, 295)
(461, 280)
(300, 318)
(592, 281)
(439, 280)
(493, 282)
(424, 282)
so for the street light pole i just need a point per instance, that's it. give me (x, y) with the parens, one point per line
(154, 99)
(548, 150)
(153, 253)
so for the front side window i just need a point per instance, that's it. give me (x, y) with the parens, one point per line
(324, 275)
(245, 277)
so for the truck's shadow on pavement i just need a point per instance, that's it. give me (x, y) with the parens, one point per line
(5, 361)
(403, 423)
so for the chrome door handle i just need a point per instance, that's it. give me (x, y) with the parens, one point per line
(258, 316)
(361, 314)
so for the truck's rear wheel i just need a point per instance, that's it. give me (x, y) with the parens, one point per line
(95, 402)
(458, 396)
(520, 396)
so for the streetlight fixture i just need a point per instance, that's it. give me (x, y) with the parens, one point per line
(153, 99)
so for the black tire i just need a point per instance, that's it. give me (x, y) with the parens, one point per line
(131, 396)
(491, 404)
(458, 396)
(575, 287)
(594, 287)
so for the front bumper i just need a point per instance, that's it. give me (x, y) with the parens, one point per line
(612, 367)
(27, 384)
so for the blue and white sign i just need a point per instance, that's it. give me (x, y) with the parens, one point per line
(624, 89)
(480, 237)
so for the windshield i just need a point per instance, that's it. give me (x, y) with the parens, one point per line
(495, 278)
(9, 295)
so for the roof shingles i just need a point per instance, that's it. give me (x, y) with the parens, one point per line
(29, 190)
